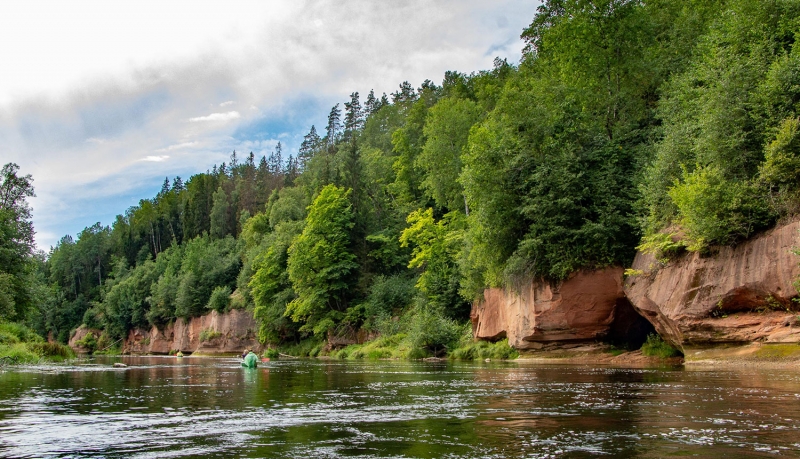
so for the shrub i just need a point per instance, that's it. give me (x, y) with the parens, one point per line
(482, 350)
(431, 333)
(657, 347)
(715, 210)
(272, 353)
(208, 334)
(220, 299)
(88, 342)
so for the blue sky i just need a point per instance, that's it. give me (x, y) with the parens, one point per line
(99, 101)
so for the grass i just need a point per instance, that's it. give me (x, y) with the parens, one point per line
(657, 347)
(778, 351)
(307, 348)
(384, 347)
(19, 344)
(482, 350)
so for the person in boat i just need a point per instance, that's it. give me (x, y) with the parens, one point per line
(250, 359)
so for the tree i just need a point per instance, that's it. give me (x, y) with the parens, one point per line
(320, 265)
(220, 215)
(311, 142)
(16, 242)
(334, 125)
(446, 132)
(353, 115)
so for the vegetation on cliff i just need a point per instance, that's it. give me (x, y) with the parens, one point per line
(676, 122)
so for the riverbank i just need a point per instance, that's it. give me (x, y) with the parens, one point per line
(21, 345)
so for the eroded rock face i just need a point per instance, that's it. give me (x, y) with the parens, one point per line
(227, 333)
(738, 295)
(79, 335)
(581, 308)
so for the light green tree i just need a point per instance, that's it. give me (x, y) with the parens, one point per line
(321, 266)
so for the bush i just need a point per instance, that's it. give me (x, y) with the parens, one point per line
(220, 299)
(384, 347)
(431, 333)
(88, 342)
(11, 333)
(657, 347)
(272, 353)
(482, 350)
(209, 334)
(717, 211)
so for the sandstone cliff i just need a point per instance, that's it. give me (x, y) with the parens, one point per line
(582, 308)
(738, 295)
(226, 333)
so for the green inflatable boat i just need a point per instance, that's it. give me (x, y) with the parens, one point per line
(250, 360)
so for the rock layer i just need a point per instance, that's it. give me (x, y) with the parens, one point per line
(582, 308)
(227, 333)
(740, 294)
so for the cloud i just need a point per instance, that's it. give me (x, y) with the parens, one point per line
(155, 159)
(225, 104)
(217, 117)
(179, 146)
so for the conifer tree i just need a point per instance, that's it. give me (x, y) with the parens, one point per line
(334, 124)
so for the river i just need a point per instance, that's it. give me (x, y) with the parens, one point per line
(211, 407)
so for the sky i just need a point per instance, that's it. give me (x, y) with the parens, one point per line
(100, 101)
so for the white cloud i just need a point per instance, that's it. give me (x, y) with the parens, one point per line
(179, 146)
(155, 159)
(226, 103)
(227, 116)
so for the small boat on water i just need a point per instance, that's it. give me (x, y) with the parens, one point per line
(250, 360)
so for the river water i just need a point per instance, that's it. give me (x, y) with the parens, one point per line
(211, 407)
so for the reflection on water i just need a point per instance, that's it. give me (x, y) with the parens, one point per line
(200, 407)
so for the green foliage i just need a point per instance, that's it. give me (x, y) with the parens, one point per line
(272, 353)
(782, 156)
(220, 299)
(16, 243)
(733, 99)
(657, 347)
(662, 245)
(387, 298)
(20, 344)
(715, 210)
(209, 334)
(482, 350)
(436, 248)
(320, 265)
(384, 347)
(446, 131)
(88, 342)
(270, 285)
(430, 332)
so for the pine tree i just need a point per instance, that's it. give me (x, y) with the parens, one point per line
(276, 160)
(334, 124)
(177, 184)
(353, 115)
(310, 143)
(405, 95)
(371, 105)
(164, 187)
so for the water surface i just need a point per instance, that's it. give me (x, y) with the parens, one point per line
(205, 407)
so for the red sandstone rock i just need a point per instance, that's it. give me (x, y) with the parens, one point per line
(740, 294)
(580, 308)
(81, 333)
(237, 331)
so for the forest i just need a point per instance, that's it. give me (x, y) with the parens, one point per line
(627, 125)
